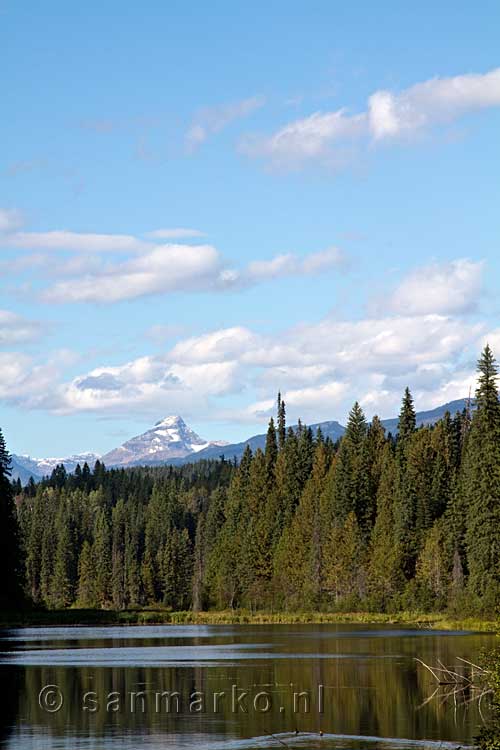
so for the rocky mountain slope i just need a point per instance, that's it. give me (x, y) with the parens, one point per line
(168, 439)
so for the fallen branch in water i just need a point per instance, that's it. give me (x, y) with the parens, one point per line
(464, 688)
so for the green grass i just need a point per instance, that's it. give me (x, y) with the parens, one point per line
(226, 617)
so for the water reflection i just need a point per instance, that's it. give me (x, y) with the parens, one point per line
(366, 681)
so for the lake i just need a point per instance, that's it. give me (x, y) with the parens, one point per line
(235, 687)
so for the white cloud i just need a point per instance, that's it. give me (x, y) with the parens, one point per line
(320, 367)
(493, 339)
(307, 139)
(220, 345)
(169, 268)
(165, 269)
(10, 220)
(149, 385)
(290, 264)
(322, 136)
(212, 120)
(439, 288)
(308, 402)
(76, 242)
(144, 268)
(26, 383)
(431, 102)
(15, 329)
(178, 233)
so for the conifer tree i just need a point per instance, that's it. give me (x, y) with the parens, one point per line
(407, 490)
(482, 486)
(344, 562)
(118, 571)
(11, 563)
(407, 420)
(63, 580)
(298, 558)
(102, 556)
(200, 549)
(86, 593)
(374, 446)
(385, 574)
(432, 572)
(226, 565)
(177, 570)
(281, 423)
(347, 487)
(271, 452)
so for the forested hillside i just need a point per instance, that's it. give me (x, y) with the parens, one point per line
(371, 522)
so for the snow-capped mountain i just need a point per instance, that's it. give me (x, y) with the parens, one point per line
(26, 466)
(169, 438)
(172, 441)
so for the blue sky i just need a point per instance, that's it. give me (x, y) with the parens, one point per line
(333, 169)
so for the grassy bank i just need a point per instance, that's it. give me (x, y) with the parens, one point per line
(227, 617)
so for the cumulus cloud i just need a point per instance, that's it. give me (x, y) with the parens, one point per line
(389, 115)
(149, 385)
(212, 120)
(27, 383)
(443, 288)
(431, 102)
(320, 367)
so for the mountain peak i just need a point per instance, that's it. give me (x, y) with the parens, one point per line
(171, 421)
(169, 438)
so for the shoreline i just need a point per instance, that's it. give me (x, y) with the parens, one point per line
(103, 617)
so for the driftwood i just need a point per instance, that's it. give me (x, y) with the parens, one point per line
(463, 688)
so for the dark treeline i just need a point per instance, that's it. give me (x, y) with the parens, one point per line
(373, 522)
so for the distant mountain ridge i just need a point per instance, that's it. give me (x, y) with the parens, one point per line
(171, 441)
(26, 466)
(431, 416)
(170, 438)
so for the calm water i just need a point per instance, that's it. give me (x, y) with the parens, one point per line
(238, 687)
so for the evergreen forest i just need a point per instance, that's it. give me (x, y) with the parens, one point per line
(375, 522)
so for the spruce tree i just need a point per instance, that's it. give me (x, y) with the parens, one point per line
(347, 487)
(385, 575)
(482, 487)
(407, 489)
(102, 554)
(407, 420)
(344, 563)
(86, 593)
(432, 569)
(11, 563)
(298, 558)
(63, 580)
(281, 423)
(271, 452)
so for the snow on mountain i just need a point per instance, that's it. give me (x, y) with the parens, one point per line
(172, 441)
(26, 466)
(169, 438)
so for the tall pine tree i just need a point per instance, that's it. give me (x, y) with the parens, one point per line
(482, 487)
(11, 564)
